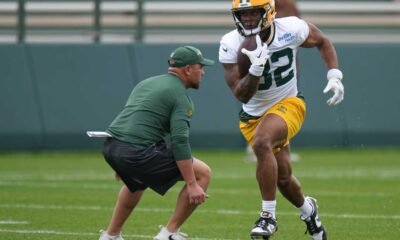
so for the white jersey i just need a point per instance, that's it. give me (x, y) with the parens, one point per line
(279, 79)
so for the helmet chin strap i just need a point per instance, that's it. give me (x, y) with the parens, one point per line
(249, 32)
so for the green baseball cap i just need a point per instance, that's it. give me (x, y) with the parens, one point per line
(188, 55)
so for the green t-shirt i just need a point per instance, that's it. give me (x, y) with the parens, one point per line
(156, 107)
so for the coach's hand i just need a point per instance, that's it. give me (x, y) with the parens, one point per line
(258, 57)
(117, 177)
(336, 86)
(196, 194)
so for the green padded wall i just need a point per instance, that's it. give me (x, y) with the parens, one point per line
(20, 114)
(81, 87)
(51, 94)
(369, 112)
(372, 101)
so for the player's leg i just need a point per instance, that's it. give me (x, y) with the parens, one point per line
(183, 208)
(271, 133)
(288, 185)
(126, 202)
(281, 122)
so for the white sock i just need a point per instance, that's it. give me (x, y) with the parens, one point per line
(269, 206)
(306, 209)
(167, 231)
(108, 236)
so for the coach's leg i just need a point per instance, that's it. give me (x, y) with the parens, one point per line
(126, 202)
(183, 208)
(288, 184)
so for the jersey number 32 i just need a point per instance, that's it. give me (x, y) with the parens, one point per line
(276, 75)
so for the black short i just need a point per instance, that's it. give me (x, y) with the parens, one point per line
(152, 167)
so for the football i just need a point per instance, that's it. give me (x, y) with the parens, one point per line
(243, 61)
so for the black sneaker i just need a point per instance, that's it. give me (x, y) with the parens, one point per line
(314, 225)
(264, 227)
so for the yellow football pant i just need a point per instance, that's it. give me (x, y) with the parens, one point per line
(291, 110)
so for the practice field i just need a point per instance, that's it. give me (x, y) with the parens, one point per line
(70, 195)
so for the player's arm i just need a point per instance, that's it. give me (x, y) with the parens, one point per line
(243, 88)
(317, 39)
(328, 54)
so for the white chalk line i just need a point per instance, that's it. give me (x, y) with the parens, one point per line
(116, 186)
(202, 211)
(54, 232)
(12, 222)
(314, 174)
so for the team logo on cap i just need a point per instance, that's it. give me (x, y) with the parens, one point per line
(171, 61)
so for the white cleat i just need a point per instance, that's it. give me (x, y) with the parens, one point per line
(164, 234)
(104, 236)
(264, 227)
(314, 225)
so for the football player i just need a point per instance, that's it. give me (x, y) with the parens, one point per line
(273, 109)
(284, 8)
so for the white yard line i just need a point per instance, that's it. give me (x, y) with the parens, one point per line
(58, 184)
(314, 174)
(115, 186)
(54, 232)
(221, 211)
(12, 222)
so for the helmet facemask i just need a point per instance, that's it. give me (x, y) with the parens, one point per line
(267, 8)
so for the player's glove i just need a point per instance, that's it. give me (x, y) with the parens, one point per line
(258, 57)
(335, 85)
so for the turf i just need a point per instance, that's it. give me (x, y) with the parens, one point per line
(70, 195)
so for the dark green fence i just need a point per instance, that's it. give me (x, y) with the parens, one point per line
(136, 20)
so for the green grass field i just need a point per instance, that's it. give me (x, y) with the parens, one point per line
(70, 195)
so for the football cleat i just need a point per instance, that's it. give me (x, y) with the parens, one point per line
(264, 227)
(104, 236)
(164, 234)
(314, 225)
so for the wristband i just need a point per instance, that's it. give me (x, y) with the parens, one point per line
(334, 73)
(256, 70)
